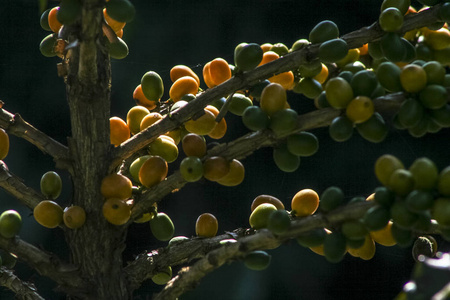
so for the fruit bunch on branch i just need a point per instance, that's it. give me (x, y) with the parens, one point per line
(392, 73)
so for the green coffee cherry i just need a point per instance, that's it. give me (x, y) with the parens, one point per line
(162, 227)
(257, 260)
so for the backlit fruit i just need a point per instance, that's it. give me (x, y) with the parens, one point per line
(419, 200)
(302, 143)
(177, 240)
(191, 168)
(312, 238)
(163, 276)
(435, 72)
(339, 92)
(152, 86)
(309, 87)
(239, 103)
(183, 86)
(69, 11)
(374, 129)
(115, 25)
(10, 223)
(279, 221)
(391, 19)
(443, 183)
(206, 225)
(266, 199)
(385, 165)
(334, 247)
(392, 47)
(257, 260)
(74, 216)
(53, 22)
(333, 50)
(388, 75)
(331, 198)
(285, 160)
(403, 237)
(437, 39)
(247, 56)
(44, 20)
(364, 83)
(323, 31)
(116, 211)
(116, 186)
(360, 109)
(411, 113)
(136, 166)
(162, 227)
(376, 218)
(441, 211)
(280, 48)
(305, 203)
(118, 49)
(165, 147)
(413, 78)
(48, 213)
(179, 71)
(254, 118)
(425, 173)
(51, 185)
(193, 145)
(283, 121)
(353, 230)
(384, 196)
(433, 96)
(219, 71)
(153, 171)
(310, 68)
(424, 246)
(119, 131)
(341, 129)
(235, 176)
(47, 45)
(285, 79)
(135, 116)
(202, 125)
(140, 99)
(120, 10)
(401, 182)
(402, 5)
(215, 167)
(384, 236)
(269, 56)
(402, 216)
(149, 119)
(273, 98)
(366, 251)
(260, 215)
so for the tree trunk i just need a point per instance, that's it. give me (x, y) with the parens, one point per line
(97, 246)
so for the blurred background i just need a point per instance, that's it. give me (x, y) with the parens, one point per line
(162, 35)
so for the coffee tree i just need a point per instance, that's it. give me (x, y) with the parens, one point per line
(391, 75)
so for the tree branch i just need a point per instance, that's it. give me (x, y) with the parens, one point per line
(243, 81)
(249, 143)
(23, 290)
(15, 186)
(47, 264)
(190, 276)
(14, 124)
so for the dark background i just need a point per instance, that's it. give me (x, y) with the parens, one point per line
(168, 33)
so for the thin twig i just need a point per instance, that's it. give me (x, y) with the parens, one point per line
(23, 290)
(14, 124)
(15, 186)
